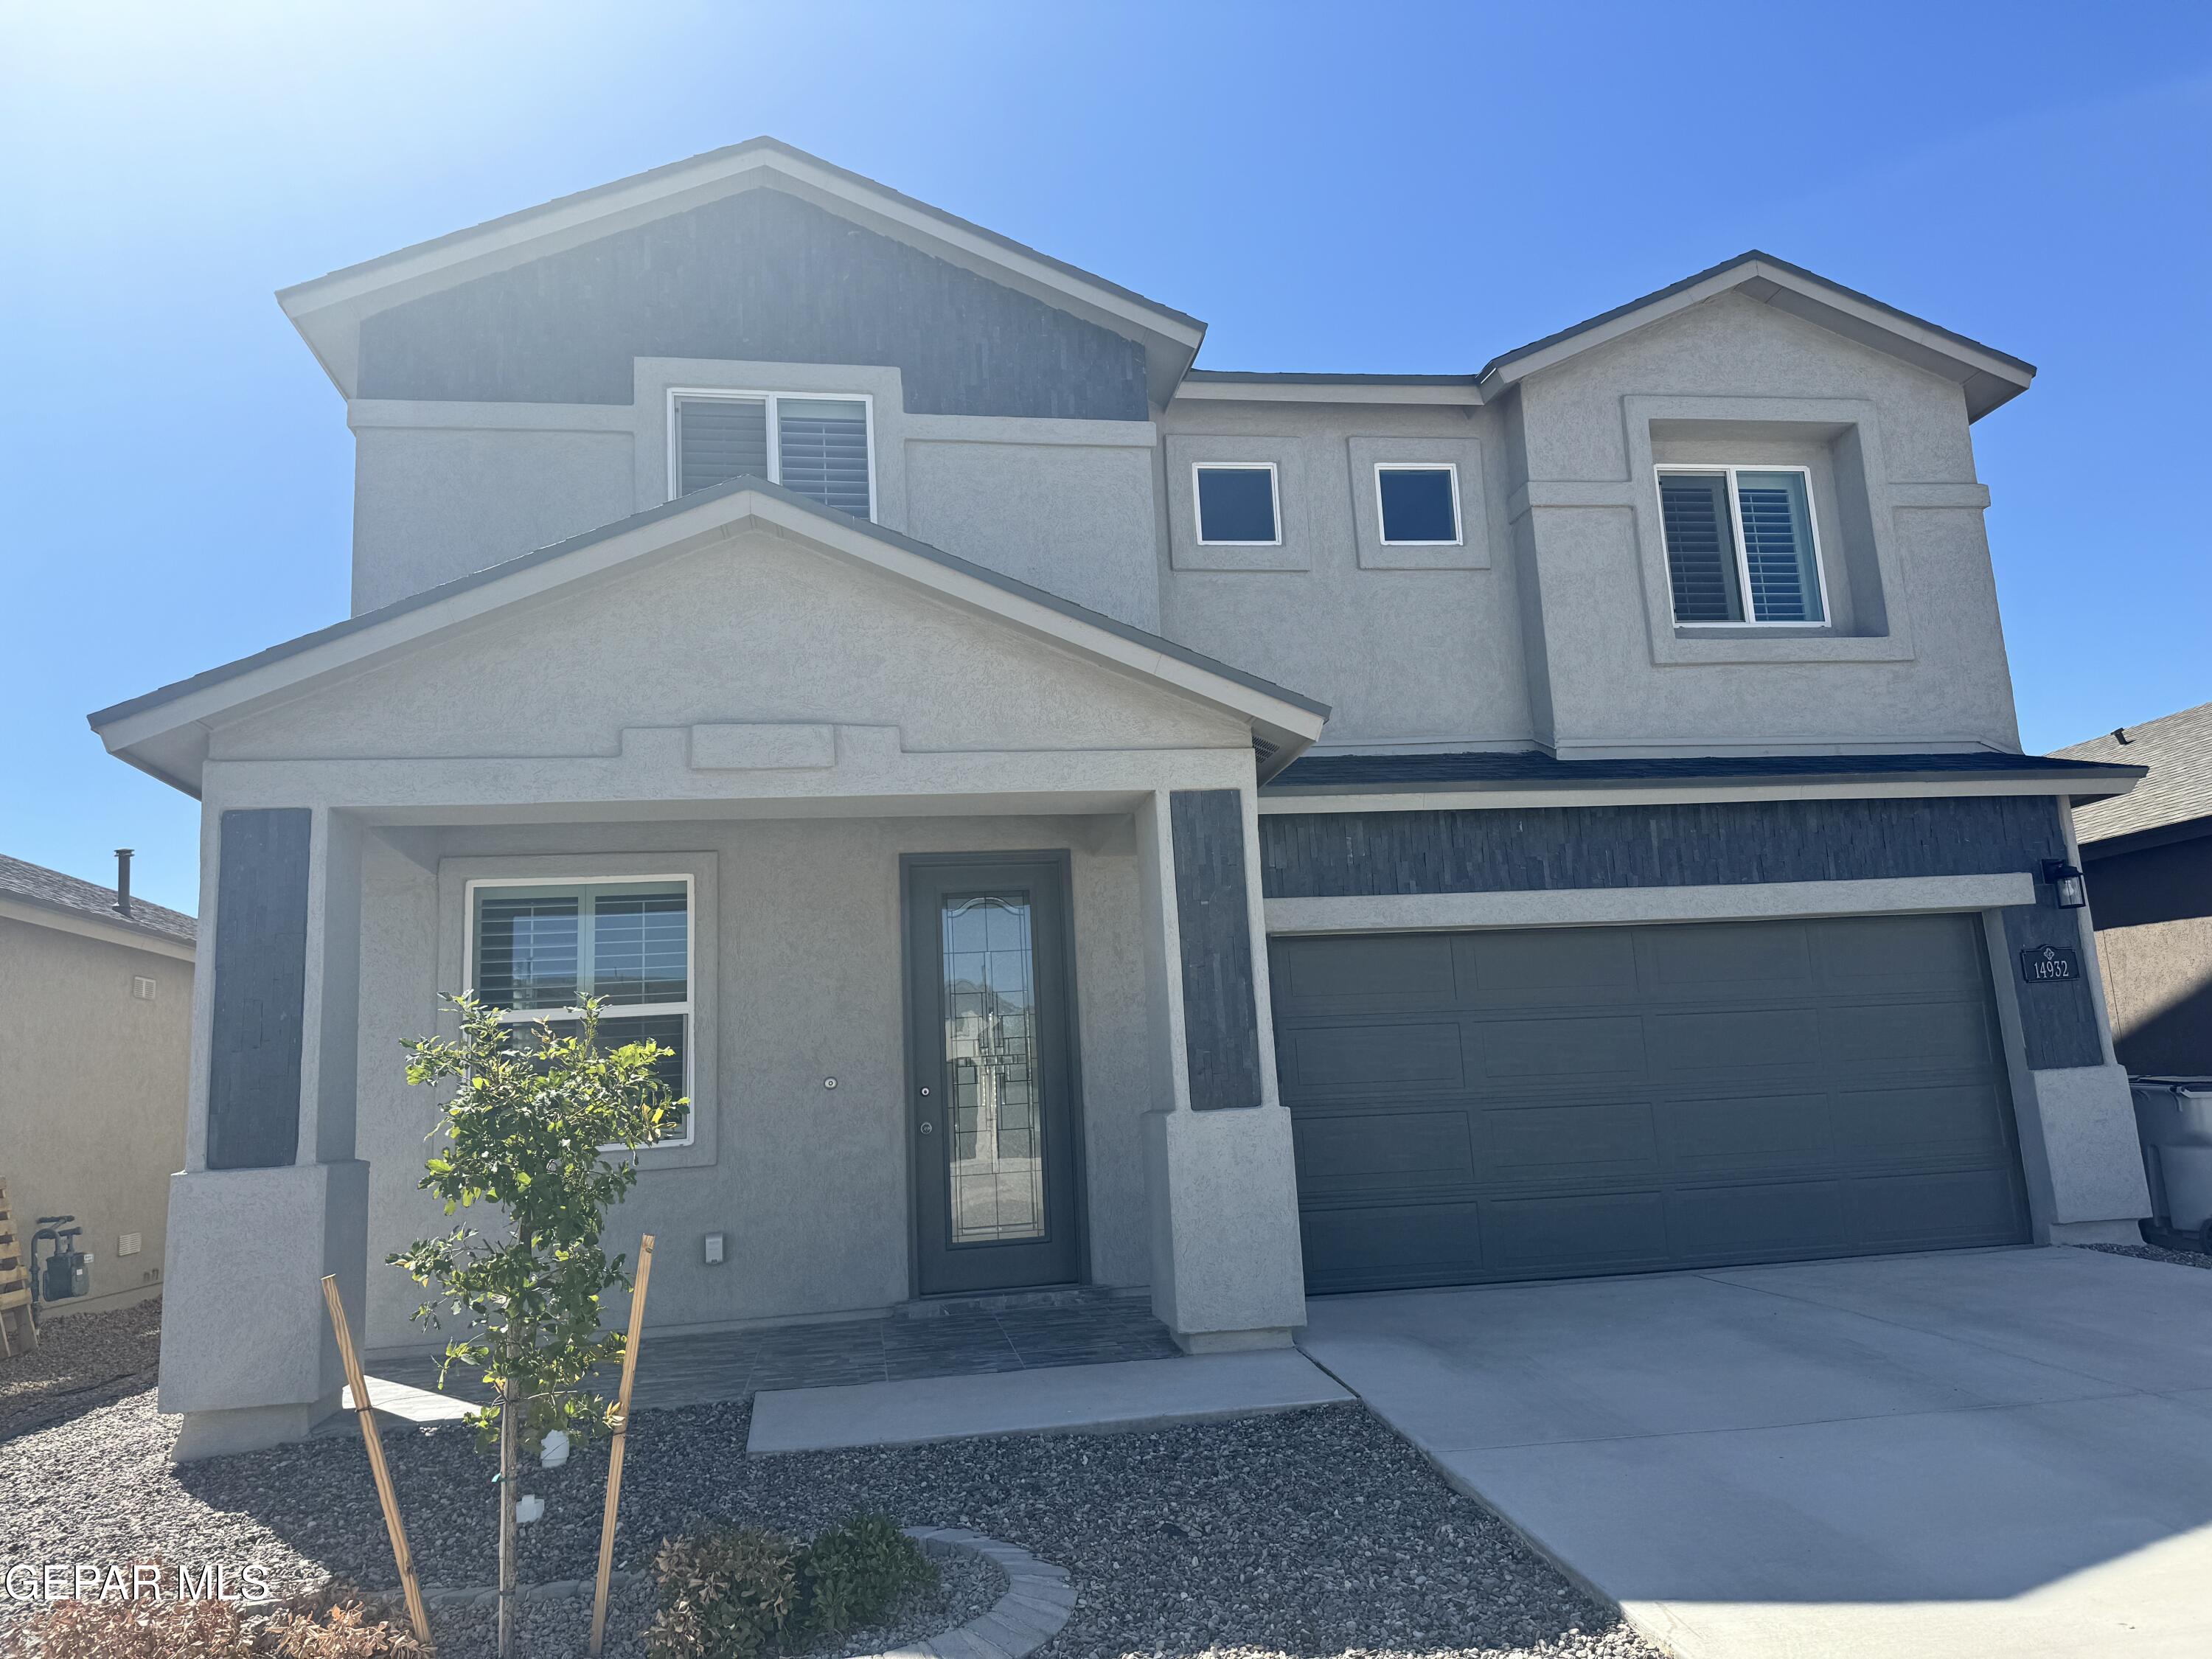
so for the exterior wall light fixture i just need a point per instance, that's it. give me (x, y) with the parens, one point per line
(2066, 883)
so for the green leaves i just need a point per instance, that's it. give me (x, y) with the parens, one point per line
(526, 1130)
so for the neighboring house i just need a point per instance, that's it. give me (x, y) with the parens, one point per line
(2148, 855)
(1084, 819)
(96, 1057)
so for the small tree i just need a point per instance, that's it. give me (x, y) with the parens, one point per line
(526, 1132)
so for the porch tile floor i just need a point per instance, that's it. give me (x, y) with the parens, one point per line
(1087, 1329)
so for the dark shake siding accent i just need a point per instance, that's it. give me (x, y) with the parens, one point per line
(761, 276)
(261, 989)
(1545, 849)
(1221, 1031)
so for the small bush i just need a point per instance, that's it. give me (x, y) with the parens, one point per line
(215, 1629)
(852, 1574)
(740, 1592)
(726, 1594)
(343, 1633)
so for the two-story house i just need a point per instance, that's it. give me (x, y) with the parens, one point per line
(1079, 819)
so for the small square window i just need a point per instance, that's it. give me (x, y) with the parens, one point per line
(1237, 504)
(817, 447)
(1741, 546)
(1419, 504)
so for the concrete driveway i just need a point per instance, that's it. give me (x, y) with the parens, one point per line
(1971, 1453)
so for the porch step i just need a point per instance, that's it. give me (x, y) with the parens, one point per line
(998, 1302)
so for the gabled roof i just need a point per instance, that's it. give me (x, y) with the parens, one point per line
(49, 890)
(328, 310)
(164, 732)
(2178, 749)
(1988, 376)
(1480, 769)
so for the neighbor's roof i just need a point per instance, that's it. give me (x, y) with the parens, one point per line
(50, 889)
(1412, 772)
(2178, 749)
(1988, 377)
(1283, 716)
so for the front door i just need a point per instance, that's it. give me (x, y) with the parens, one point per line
(993, 1119)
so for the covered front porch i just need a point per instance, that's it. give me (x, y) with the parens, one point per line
(945, 893)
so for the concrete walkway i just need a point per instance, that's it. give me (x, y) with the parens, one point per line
(1981, 1453)
(1141, 1394)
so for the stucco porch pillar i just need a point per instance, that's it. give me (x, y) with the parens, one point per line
(271, 1197)
(1222, 1190)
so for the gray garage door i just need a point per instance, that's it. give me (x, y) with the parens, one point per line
(1534, 1105)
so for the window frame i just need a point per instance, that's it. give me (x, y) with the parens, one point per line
(1198, 502)
(1729, 469)
(687, 1008)
(1382, 536)
(678, 394)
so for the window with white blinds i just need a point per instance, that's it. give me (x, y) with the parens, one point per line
(536, 952)
(817, 447)
(1741, 546)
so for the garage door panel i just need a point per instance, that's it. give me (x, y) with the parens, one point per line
(1392, 1245)
(1717, 1045)
(1595, 1141)
(1341, 1154)
(1529, 1103)
(1399, 972)
(1712, 1224)
(1575, 1233)
(1951, 1035)
(1935, 1210)
(1756, 1135)
(1722, 959)
(1380, 1055)
(1517, 1050)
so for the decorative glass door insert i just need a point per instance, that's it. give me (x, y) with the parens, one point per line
(995, 1170)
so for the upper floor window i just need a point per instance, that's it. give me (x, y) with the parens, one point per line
(1237, 502)
(817, 447)
(1741, 546)
(535, 951)
(1418, 504)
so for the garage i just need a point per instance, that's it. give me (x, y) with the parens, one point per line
(1503, 1104)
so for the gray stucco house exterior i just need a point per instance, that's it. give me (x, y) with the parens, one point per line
(1084, 819)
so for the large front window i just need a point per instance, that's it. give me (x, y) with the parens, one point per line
(1740, 547)
(535, 951)
(817, 447)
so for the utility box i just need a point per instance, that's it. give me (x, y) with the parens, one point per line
(2173, 1120)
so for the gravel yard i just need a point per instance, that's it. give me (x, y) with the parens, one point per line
(82, 1360)
(2154, 1253)
(1311, 1533)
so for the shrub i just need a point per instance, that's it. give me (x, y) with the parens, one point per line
(737, 1593)
(724, 1593)
(853, 1573)
(343, 1633)
(215, 1630)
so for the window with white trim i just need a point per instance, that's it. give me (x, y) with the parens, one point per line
(1742, 549)
(537, 950)
(1237, 504)
(817, 447)
(1417, 503)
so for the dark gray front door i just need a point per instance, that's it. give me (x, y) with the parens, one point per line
(1541, 1103)
(992, 1124)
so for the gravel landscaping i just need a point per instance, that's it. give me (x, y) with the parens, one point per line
(2154, 1253)
(82, 1360)
(1310, 1533)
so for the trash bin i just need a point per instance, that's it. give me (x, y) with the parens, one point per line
(2173, 1120)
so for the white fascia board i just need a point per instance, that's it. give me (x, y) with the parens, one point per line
(717, 520)
(116, 933)
(1348, 391)
(1635, 795)
(328, 310)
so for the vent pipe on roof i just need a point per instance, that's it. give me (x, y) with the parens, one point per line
(123, 879)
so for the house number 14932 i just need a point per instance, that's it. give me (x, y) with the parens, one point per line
(2043, 963)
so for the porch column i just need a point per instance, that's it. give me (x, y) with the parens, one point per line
(271, 1197)
(1226, 1271)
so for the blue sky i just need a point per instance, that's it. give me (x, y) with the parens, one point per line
(1351, 186)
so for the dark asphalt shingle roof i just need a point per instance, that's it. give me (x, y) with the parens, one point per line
(50, 889)
(1532, 768)
(2178, 749)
